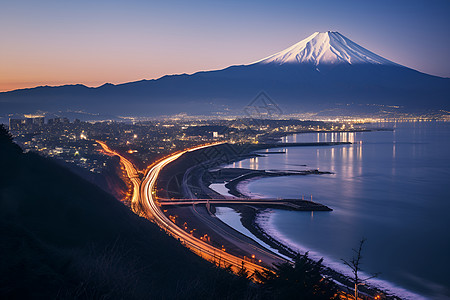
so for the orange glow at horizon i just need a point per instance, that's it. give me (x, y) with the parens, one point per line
(93, 42)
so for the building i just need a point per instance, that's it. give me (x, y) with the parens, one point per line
(54, 121)
(37, 121)
(26, 123)
(15, 124)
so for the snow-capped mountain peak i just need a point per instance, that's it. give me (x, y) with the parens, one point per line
(325, 48)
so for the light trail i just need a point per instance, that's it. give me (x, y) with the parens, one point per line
(132, 174)
(144, 204)
(203, 249)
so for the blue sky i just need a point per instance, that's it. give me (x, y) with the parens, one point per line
(92, 42)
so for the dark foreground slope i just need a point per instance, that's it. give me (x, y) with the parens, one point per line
(62, 237)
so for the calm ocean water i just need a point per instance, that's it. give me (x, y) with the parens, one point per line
(391, 187)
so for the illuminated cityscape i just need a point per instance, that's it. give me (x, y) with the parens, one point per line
(251, 150)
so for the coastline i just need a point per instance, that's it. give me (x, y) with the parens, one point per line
(249, 219)
(264, 222)
(210, 171)
(198, 177)
(234, 186)
(257, 221)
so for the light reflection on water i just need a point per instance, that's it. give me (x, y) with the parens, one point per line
(391, 187)
(320, 137)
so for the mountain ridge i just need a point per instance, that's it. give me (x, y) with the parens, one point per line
(303, 82)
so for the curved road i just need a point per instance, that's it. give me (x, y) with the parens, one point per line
(144, 203)
(205, 250)
(132, 174)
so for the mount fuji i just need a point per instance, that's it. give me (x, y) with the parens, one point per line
(323, 48)
(325, 71)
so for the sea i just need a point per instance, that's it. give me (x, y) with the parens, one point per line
(389, 187)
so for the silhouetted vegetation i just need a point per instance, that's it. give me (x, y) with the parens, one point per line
(355, 265)
(301, 280)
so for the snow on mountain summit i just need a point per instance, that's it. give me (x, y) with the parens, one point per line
(326, 48)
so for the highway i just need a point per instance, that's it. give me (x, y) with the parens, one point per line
(202, 248)
(145, 203)
(132, 174)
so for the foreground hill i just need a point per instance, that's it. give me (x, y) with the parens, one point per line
(326, 70)
(62, 237)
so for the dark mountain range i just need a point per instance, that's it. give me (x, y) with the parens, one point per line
(323, 71)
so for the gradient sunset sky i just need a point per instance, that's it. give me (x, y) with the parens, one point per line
(92, 42)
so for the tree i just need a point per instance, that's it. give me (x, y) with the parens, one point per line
(5, 136)
(355, 265)
(9, 156)
(301, 280)
(242, 272)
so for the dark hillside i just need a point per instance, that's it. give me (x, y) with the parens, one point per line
(63, 237)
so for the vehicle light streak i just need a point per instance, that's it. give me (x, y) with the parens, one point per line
(144, 203)
(132, 174)
(205, 250)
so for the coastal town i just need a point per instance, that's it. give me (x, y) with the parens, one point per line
(74, 141)
(179, 195)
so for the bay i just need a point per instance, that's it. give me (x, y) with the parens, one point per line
(390, 187)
